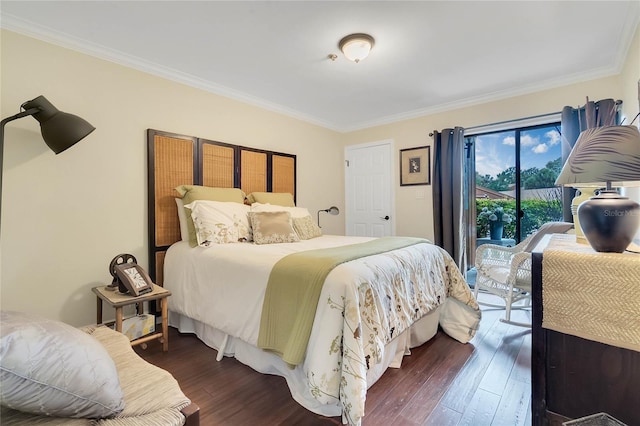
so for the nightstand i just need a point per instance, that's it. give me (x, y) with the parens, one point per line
(118, 300)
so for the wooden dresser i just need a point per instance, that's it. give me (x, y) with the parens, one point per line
(573, 377)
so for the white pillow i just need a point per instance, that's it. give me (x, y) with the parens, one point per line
(51, 368)
(220, 222)
(182, 218)
(295, 212)
(455, 317)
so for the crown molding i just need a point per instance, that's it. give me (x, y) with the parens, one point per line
(486, 98)
(30, 29)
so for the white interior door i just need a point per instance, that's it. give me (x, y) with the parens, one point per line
(369, 183)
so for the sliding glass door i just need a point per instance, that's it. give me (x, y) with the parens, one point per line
(510, 176)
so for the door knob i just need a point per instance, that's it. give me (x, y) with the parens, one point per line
(385, 218)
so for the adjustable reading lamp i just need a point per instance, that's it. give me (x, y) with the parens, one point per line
(333, 210)
(60, 130)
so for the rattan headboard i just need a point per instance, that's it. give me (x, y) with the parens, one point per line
(174, 160)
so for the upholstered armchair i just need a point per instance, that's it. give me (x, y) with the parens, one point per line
(54, 374)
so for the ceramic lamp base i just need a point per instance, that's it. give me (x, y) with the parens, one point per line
(583, 193)
(609, 221)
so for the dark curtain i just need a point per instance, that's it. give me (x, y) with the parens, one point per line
(604, 112)
(448, 183)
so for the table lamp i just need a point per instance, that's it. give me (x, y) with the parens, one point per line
(606, 157)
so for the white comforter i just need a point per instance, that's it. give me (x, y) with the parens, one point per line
(363, 304)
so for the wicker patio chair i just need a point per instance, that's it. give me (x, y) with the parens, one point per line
(506, 271)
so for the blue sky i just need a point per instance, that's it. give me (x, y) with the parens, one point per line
(496, 152)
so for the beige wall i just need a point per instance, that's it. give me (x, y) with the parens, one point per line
(414, 215)
(630, 80)
(64, 217)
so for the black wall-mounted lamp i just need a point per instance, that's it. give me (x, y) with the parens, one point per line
(333, 210)
(60, 130)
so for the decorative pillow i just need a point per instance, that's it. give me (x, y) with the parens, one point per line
(306, 228)
(198, 192)
(191, 193)
(218, 222)
(51, 368)
(278, 198)
(182, 219)
(296, 212)
(272, 227)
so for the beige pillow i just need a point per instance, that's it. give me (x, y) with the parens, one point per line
(296, 212)
(272, 227)
(278, 198)
(306, 228)
(191, 193)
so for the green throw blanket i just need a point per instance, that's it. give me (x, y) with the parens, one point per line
(294, 288)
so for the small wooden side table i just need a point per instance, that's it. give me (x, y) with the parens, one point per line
(118, 300)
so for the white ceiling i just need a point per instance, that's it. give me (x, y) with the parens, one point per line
(429, 56)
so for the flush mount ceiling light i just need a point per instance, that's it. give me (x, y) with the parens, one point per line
(356, 47)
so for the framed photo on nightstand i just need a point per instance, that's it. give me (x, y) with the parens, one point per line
(134, 278)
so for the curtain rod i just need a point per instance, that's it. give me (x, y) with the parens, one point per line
(535, 119)
(519, 122)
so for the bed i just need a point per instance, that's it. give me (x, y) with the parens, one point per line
(371, 308)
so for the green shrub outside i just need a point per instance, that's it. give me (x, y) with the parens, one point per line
(536, 213)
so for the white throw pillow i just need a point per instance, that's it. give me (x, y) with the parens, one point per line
(455, 317)
(51, 368)
(220, 222)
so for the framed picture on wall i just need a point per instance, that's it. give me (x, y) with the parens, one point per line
(415, 166)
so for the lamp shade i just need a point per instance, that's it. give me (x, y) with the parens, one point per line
(606, 156)
(60, 130)
(333, 210)
(603, 154)
(356, 47)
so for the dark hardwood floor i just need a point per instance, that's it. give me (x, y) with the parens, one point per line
(443, 382)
